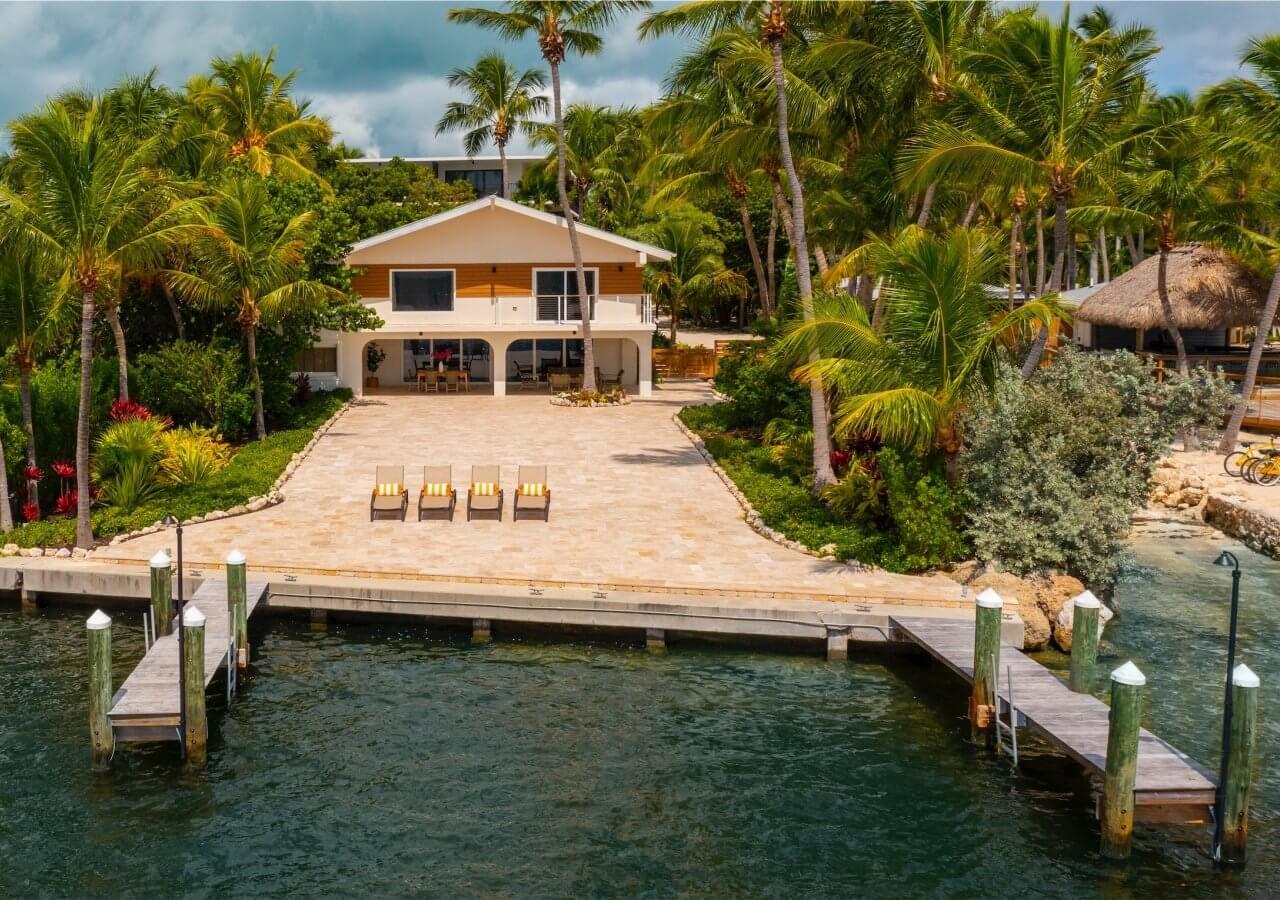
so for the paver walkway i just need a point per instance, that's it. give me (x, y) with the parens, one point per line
(633, 504)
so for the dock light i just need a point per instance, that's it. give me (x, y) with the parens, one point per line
(1226, 559)
(171, 521)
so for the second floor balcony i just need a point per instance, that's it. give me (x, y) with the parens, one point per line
(523, 311)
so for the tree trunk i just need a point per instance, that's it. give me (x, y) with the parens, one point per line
(1070, 281)
(1093, 263)
(1166, 309)
(1027, 287)
(820, 256)
(122, 357)
(1106, 258)
(502, 158)
(1133, 248)
(867, 293)
(972, 209)
(6, 505)
(784, 213)
(762, 284)
(173, 308)
(675, 319)
(1015, 239)
(584, 299)
(771, 260)
(251, 336)
(823, 474)
(1060, 234)
(29, 426)
(926, 205)
(877, 315)
(84, 417)
(1265, 321)
(1039, 250)
(1142, 244)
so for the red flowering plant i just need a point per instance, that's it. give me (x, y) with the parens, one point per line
(123, 410)
(33, 473)
(30, 512)
(840, 460)
(64, 469)
(67, 503)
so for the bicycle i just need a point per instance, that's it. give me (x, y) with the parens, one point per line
(1235, 462)
(1264, 469)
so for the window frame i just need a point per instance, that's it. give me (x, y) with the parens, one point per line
(453, 292)
(594, 270)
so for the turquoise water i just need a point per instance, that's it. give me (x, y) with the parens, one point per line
(394, 761)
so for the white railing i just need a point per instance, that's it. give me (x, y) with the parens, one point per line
(562, 309)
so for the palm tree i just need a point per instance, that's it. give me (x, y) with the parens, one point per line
(243, 261)
(1255, 104)
(1045, 107)
(775, 21)
(908, 383)
(696, 274)
(34, 303)
(91, 201)
(249, 114)
(500, 102)
(561, 27)
(601, 145)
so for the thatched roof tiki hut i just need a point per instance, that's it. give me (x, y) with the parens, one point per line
(1210, 294)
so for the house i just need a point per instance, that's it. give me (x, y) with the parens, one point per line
(484, 173)
(489, 288)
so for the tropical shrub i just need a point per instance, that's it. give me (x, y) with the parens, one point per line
(760, 389)
(126, 443)
(133, 484)
(192, 455)
(197, 384)
(1056, 466)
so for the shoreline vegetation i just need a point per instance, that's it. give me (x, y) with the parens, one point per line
(252, 470)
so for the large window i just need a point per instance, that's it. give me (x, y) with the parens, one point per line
(556, 293)
(483, 181)
(317, 359)
(422, 291)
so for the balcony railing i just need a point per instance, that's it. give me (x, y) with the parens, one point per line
(557, 308)
(563, 309)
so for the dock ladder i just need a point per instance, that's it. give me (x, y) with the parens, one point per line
(1006, 734)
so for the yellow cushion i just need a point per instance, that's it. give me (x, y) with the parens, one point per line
(533, 490)
(443, 489)
(484, 489)
(389, 490)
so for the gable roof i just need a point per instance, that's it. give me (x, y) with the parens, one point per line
(648, 250)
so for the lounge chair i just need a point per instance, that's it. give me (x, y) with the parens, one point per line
(611, 381)
(438, 497)
(560, 381)
(389, 493)
(533, 497)
(484, 494)
(528, 377)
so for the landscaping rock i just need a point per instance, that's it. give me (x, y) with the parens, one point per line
(33, 552)
(63, 553)
(256, 504)
(1062, 625)
(9, 550)
(79, 553)
(1039, 598)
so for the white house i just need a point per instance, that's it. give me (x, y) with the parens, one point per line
(484, 173)
(489, 289)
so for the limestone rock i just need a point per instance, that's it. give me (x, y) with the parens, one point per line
(1062, 625)
(33, 552)
(256, 504)
(1039, 598)
(9, 550)
(79, 553)
(63, 553)
(1166, 476)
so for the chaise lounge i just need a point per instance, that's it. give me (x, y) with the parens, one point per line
(389, 493)
(438, 497)
(533, 497)
(484, 494)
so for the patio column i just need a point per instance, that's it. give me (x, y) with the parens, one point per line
(498, 364)
(351, 361)
(645, 375)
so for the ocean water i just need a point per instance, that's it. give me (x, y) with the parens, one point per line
(381, 761)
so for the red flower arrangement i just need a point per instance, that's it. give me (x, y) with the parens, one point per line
(30, 512)
(67, 504)
(442, 355)
(33, 473)
(124, 410)
(64, 468)
(840, 459)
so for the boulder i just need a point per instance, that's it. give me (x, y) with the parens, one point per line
(1062, 625)
(9, 550)
(1039, 598)
(1166, 476)
(79, 553)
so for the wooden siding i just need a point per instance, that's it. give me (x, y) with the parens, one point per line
(509, 279)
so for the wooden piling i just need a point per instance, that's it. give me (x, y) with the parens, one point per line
(101, 741)
(1235, 793)
(481, 630)
(195, 736)
(161, 594)
(1121, 771)
(1084, 642)
(986, 663)
(655, 639)
(28, 600)
(238, 606)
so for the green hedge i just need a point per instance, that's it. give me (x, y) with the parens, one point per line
(251, 473)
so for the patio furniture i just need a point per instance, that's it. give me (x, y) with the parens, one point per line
(452, 378)
(428, 378)
(389, 493)
(484, 494)
(560, 381)
(613, 381)
(575, 381)
(438, 497)
(528, 377)
(533, 497)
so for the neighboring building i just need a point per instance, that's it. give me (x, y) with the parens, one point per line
(491, 285)
(483, 172)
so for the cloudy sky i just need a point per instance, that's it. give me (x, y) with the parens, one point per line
(378, 70)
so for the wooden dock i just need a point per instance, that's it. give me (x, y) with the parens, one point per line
(146, 707)
(1170, 786)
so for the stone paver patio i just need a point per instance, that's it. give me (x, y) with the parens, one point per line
(634, 504)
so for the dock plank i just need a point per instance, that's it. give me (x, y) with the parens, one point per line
(150, 694)
(1076, 723)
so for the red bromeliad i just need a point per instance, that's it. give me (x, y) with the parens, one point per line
(30, 512)
(124, 410)
(64, 468)
(66, 505)
(33, 473)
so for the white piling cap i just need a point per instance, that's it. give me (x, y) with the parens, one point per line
(160, 560)
(989, 599)
(1129, 674)
(1086, 600)
(1244, 677)
(192, 617)
(100, 620)
(235, 558)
